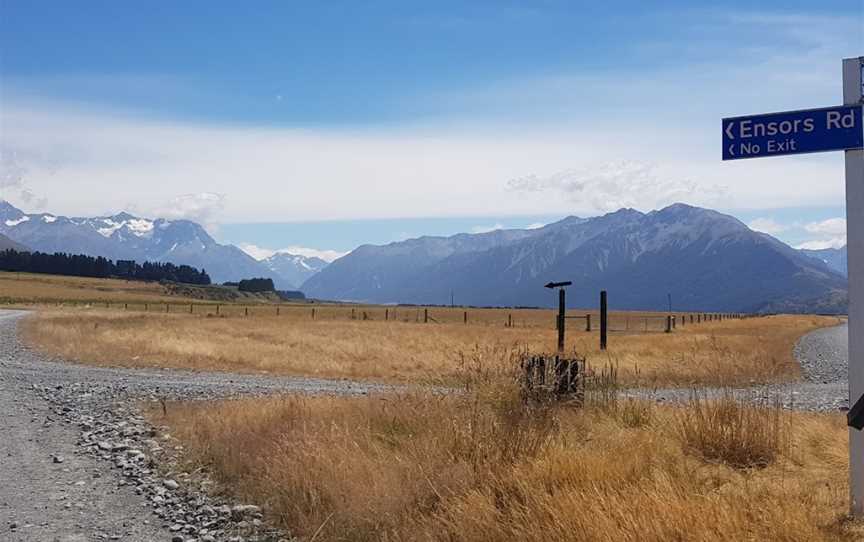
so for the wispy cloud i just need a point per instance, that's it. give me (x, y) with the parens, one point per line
(767, 225)
(488, 228)
(611, 186)
(821, 244)
(831, 234)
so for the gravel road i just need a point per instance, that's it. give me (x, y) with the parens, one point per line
(824, 357)
(78, 461)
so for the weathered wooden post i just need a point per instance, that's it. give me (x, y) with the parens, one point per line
(668, 323)
(561, 311)
(146, 307)
(313, 313)
(277, 311)
(425, 316)
(125, 306)
(386, 314)
(217, 310)
(604, 319)
(509, 320)
(588, 323)
(465, 318)
(246, 311)
(352, 314)
(191, 308)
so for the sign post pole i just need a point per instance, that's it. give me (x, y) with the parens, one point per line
(852, 94)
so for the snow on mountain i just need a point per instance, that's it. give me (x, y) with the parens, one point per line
(292, 269)
(127, 237)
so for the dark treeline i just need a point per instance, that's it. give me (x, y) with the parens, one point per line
(256, 285)
(80, 265)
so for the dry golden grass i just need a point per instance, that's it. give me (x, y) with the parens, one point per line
(716, 353)
(32, 288)
(481, 466)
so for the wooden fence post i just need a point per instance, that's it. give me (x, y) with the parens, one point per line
(167, 307)
(425, 316)
(191, 308)
(386, 314)
(146, 307)
(352, 314)
(604, 317)
(246, 311)
(509, 320)
(465, 317)
(125, 306)
(588, 322)
(668, 324)
(277, 311)
(313, 313)
(217, 310)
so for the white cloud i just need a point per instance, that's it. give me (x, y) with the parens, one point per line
(610, 186)
(260, 253)
(831, 232)
(487, 229)
(834, 242)
(767, 225)
(830, 226)
(204, 208)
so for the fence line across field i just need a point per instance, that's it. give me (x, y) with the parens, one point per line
(618, 322)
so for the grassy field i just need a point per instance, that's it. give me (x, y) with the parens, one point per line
(482, 466)
(32, 288)
(717, 353)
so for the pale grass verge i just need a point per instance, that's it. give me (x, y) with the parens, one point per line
(731, 352)
(483, 467)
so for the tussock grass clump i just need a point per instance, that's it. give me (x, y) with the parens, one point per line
(732, 432)
(482, 466)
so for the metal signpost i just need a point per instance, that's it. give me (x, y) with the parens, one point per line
(817, 130)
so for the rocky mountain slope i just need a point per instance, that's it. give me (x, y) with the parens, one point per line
(835, 258)
(127, 237)
(292, 270)
(704, 259)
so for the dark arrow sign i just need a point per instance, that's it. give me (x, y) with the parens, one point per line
(855, 416)
(558, 284)
(793, 132)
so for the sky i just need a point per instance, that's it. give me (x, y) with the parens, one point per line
(317, 127)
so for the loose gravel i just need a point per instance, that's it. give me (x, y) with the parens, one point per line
(823, 355)
(79, 462)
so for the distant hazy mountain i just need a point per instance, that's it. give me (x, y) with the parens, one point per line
(6, 244)
(127, 237)
(292, 270)
(706, 260)
(835, 258)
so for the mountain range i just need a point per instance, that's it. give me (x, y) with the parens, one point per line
(835, 258)
(706, 261)
(127, 237)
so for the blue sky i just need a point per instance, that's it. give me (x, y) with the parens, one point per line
(325, 125)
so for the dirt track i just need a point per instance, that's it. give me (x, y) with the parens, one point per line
(56, 485)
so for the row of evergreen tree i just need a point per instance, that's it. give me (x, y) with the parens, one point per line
(80, 265)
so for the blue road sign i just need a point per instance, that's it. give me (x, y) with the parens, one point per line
(793, 132)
